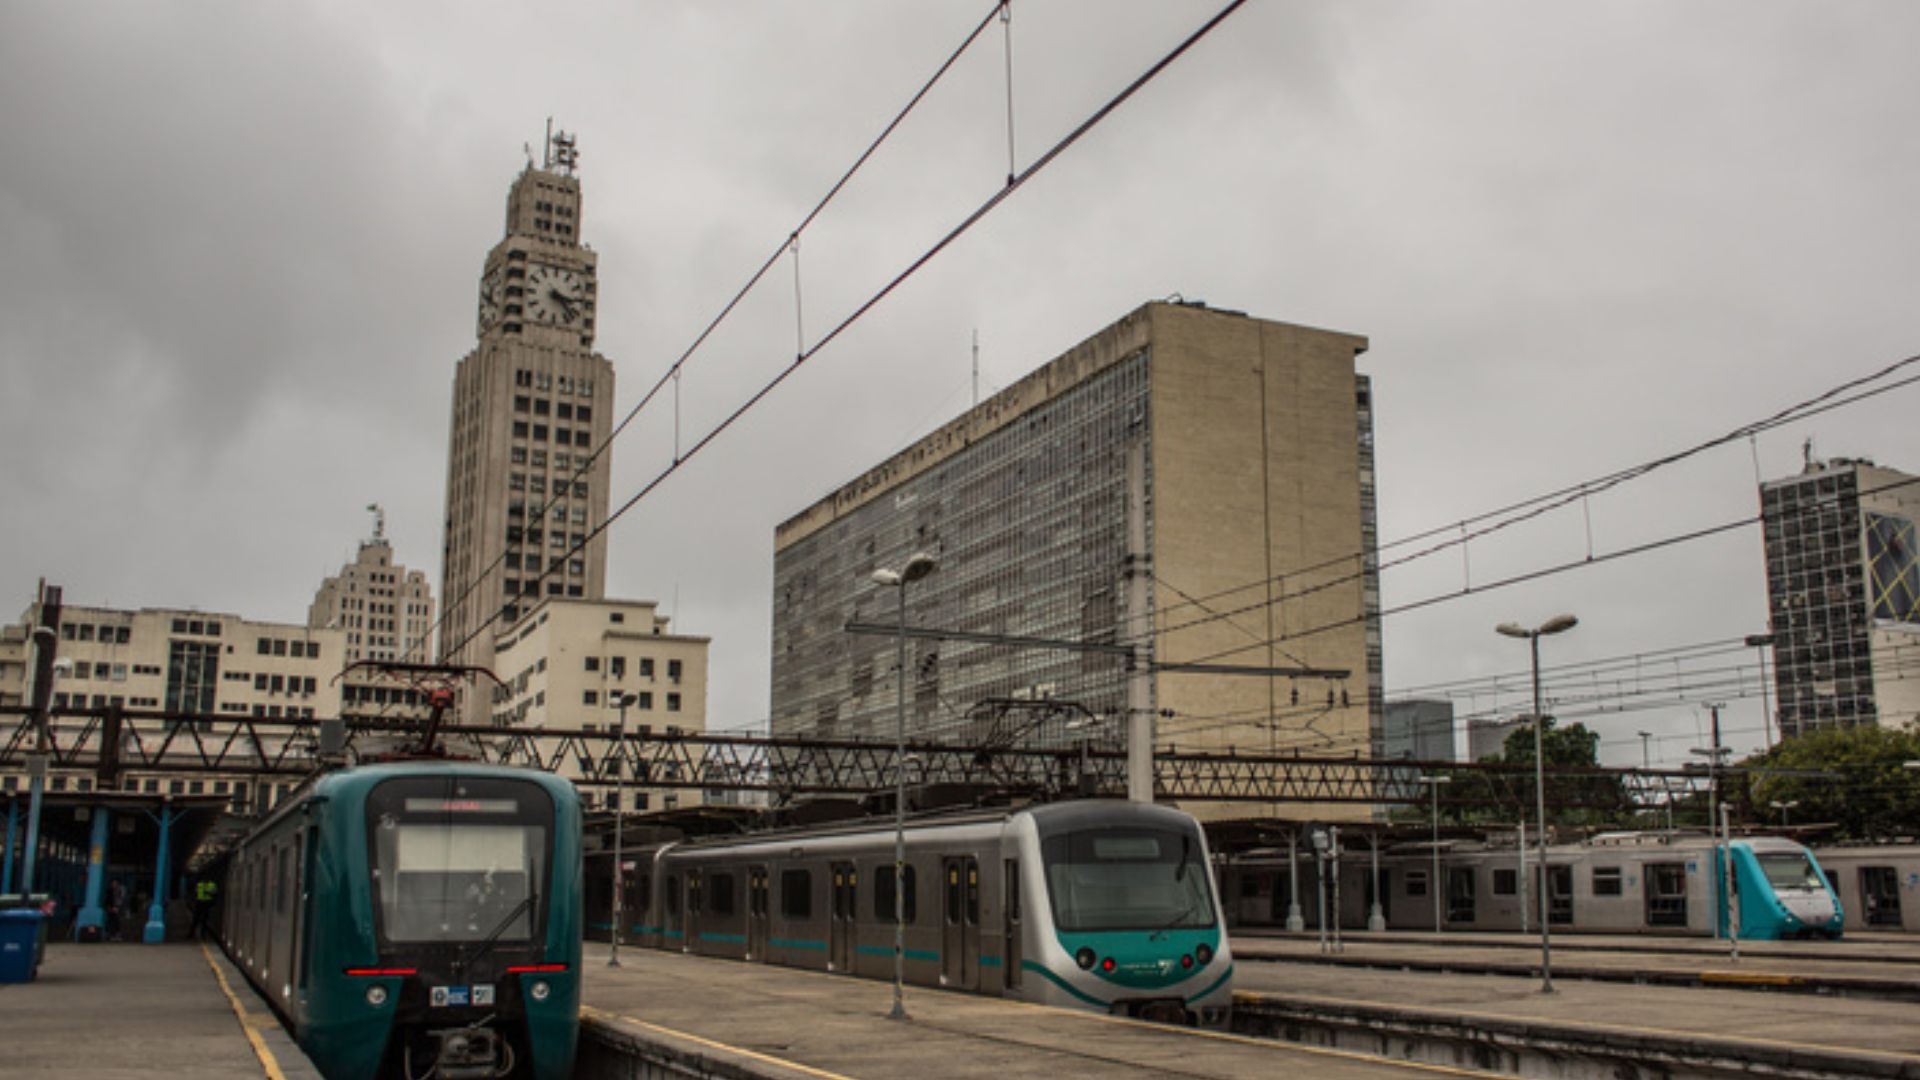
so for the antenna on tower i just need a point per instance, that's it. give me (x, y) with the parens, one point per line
(379, 522)
(565, 156)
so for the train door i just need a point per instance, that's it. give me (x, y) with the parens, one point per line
(757, 912)
(1666, 885)
(1461, 901)
(1880, 896)
(1560, 895)
(960, 942)
(695, 902)
(841, 912)
(1010, 953)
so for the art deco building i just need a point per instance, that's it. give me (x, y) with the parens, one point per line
(531, 404)
(1191, 481)
(1843, 591)
(386, 613)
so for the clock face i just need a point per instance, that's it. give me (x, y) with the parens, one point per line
(491, 296)
(555, 296)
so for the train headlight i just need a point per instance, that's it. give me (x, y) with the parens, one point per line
(1085, 958)
(376, 996)
(1204, 954)
(539, 991)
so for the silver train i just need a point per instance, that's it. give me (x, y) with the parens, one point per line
(1878, 884)
(1095, 904)
(1633, 882)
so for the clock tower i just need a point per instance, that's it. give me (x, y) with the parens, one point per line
(531, 404)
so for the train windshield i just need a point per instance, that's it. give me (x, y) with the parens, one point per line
(459, 858)
(1790, 870)
(1132, 878)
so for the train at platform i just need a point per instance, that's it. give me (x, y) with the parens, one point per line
(1093, 904)
(1653, 882)
(416, 919)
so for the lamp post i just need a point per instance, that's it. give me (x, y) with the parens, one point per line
(1783, 807)
(917, 566)
(1433, 784)
(1760, 642)
(619, 828)
(1555, 625)
(1716, 824)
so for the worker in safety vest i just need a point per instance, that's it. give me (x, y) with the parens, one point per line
(204, 891)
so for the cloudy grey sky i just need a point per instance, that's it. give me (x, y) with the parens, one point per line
(242, 243)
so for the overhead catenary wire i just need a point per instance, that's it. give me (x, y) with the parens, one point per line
(1014, 184)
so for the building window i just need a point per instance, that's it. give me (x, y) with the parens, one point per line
(645, 699)
(590, 697)
(673, 702)
(673, 670)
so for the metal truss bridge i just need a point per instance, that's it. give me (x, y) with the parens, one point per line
(109, 743)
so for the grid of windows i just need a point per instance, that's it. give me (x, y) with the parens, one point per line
(1816, 583)
(1030, 525)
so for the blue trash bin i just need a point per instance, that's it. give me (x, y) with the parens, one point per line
(19, 945)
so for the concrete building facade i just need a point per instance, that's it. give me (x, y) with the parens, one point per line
(162, 659)
(1843, 592)
(385, 612)
(1191, 482)
(566, 664)
(532, 405)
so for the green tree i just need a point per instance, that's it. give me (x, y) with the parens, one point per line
(1483, 797)
(1854, 779)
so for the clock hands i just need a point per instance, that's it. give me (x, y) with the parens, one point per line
(567, 310)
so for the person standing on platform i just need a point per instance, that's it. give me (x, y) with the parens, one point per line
(116, 904)
(204, 892)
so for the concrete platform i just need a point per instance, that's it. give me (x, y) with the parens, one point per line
(726, 1018)
(120, 1011)
(1873, 970)
(1494, 1021)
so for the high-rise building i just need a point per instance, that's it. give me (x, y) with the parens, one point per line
(386, 613)
(531, 404)
(1485, 738)
(1193, 482)
(1420, 729)
(1843, 592)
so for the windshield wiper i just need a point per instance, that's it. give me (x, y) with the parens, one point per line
(488, 941)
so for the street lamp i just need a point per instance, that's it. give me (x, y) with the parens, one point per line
(1760, 642)
(1783, 807)
(918, 565)
(1433, 783)
(1717, 824)
(619, 827)
(1554, 625)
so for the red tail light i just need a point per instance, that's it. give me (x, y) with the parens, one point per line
(536, 969)
(381, 971)
(1107, 964)
(1186, 961)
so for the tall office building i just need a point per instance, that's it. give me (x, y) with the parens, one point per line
(1420, 729)
(531, 403)
(1191, 481)
(386, 613)
(1843, 590)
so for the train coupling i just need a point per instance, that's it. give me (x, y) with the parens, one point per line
(471, 1052)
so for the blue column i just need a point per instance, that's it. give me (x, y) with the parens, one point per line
(156, 931)
(92, 916)
(6, 849)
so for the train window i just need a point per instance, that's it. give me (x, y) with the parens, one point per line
(720, 893)
(796, 894)
(1790, 870)
(1127, 878)
(973, 893)
(883, 895)
(1460, 894)
(283, 861)
(1606, 881)
(1416, 881)
(953, 892)
(458, 859)
(1506, 882)
(673, 894)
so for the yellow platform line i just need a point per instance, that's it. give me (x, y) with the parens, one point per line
(1750, 978)
(267, 1061)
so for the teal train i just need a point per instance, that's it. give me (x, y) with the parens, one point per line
(417, 919)
(1093, 904)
